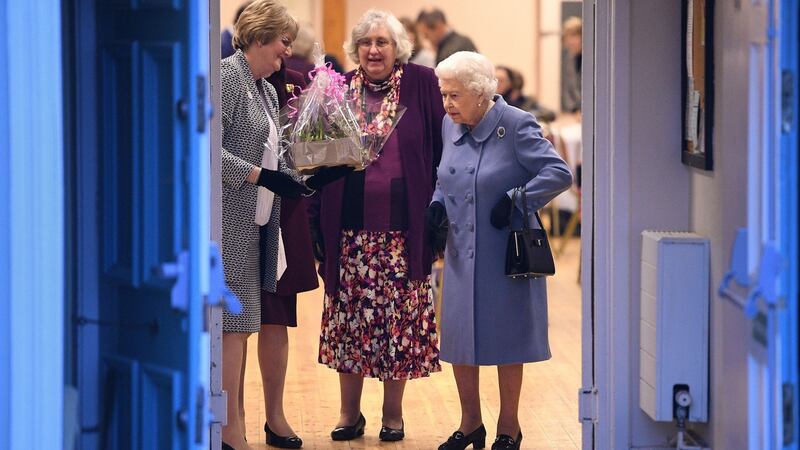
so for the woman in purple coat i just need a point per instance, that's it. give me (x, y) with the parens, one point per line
(488, 319)
(378, 319)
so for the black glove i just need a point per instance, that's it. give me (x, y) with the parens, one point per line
(317, 243)
(281, 184)
(327, 175)
(436, 226)
(501, 213)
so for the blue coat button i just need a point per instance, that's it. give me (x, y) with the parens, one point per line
(470, 169)
(451, 197)
(468, 197)
(452, 170)
(470, 226)
(471, 254)
(454, 227)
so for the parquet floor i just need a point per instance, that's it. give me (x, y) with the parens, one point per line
(549, 406)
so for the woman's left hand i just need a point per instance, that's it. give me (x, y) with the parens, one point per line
(327, 175)
(501, 213)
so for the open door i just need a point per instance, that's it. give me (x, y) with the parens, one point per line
(789, 34)
(588, 395)
(152, 185)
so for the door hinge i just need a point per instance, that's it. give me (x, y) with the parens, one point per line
(787, 100)
(587, 405)
(788, 414)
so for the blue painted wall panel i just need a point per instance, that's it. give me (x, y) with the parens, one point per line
(5, 290)
(33, 220)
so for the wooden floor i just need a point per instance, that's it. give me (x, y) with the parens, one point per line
(549, 407)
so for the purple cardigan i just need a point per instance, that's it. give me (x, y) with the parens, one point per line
(420, 140)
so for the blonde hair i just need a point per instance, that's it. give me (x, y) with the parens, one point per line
(372, 19)
(471, 69)
(573, 26)
(263, 21)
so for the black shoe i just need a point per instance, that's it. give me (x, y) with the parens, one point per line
(460, 441)
(392, 434)
(227, 447)
(506, 442)
(351, 432)
(282, 441)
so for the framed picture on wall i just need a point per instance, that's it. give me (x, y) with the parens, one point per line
(697, 70)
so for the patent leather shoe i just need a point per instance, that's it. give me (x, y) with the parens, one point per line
(282, 441)
(460, 441)
(506, 442)
(392, 434)
(350, 432)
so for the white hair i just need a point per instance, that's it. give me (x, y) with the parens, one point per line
(372, 19)
(471, 69)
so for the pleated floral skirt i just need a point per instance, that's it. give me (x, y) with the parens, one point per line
(379, 324)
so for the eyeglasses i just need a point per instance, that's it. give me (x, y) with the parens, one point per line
(365, 43)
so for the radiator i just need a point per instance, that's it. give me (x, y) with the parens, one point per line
(673, 349)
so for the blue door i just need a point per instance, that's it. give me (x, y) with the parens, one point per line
(152, 59)
(788, 203)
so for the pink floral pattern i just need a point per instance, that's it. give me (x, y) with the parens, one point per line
(380, 324)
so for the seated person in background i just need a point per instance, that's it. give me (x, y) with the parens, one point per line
(509, 84)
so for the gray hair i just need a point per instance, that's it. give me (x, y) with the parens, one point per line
(304, 43)
(471, 69)
(372, 19)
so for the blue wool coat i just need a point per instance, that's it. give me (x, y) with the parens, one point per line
(488, 318)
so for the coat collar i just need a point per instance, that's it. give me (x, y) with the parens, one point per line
(252, 88)
(486, 126)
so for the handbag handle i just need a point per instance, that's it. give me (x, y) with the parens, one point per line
(523, 195)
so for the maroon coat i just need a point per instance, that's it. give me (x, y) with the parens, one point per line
(420, 138)
(300, 275)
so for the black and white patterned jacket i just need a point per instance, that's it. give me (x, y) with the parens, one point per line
(245, 130)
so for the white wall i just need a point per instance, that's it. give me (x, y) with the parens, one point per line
(660, 183)
(718, 208)
(657, 191)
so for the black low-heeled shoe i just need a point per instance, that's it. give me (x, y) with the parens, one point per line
(506, 442)
(392, 434)
(227, 447)
(460, 441)
(282, 441)
(350, 432)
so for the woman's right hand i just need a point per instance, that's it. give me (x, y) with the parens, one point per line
(281, 184)
(436, 224)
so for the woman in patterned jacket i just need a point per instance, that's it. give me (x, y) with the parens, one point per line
(263, 36)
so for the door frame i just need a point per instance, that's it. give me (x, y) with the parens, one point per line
(31, 226)
(605, 253)
(789, 62)
(81, 156)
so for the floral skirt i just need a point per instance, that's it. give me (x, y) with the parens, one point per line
(379, 323)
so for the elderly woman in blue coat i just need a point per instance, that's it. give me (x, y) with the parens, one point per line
(488, 319)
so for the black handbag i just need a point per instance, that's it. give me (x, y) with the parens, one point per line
(528, 250)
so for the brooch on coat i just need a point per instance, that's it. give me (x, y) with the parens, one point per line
(501, 132)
